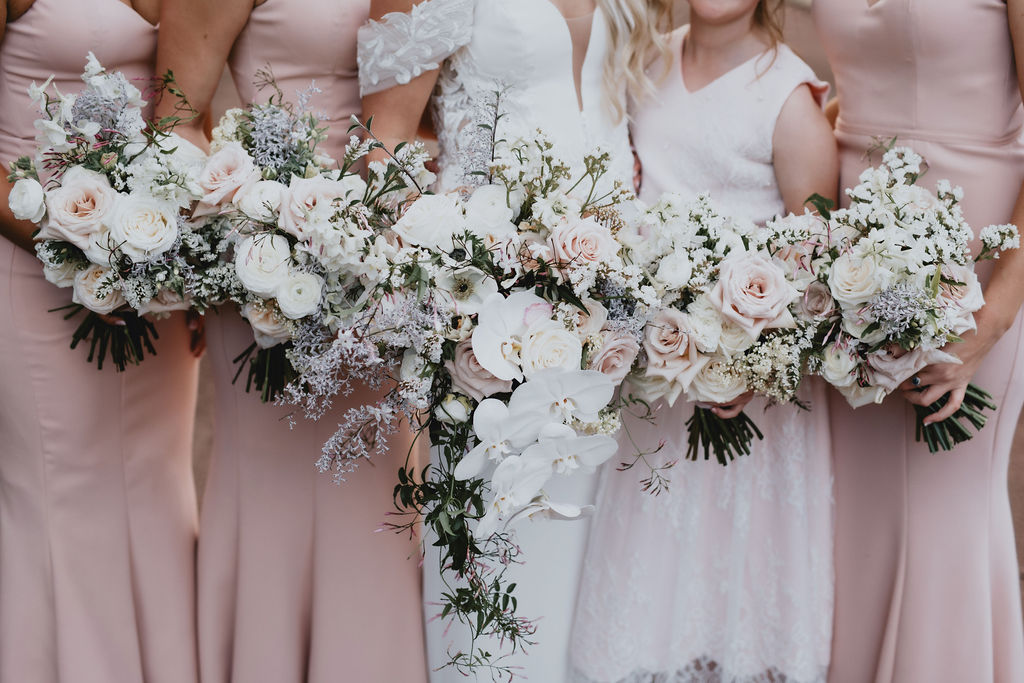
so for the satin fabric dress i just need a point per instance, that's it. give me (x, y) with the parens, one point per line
(294, 584)
(97, 504)
(726, 576)
(926, 568)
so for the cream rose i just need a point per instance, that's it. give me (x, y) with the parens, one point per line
(838, 365)
(854, 280)
(431, 221)
(734, 340)
(261, 200)
(143, 227)
(299, 295)
(858, 396)
(753, 293)
(672, 352)
(593, 320)
(717, 382)
(261, 263)
(308, 199)
(470, 378)
(225, 172)
(164, 302)
(582, 240)
(61, 275)
(616, 355)
(267, 328)
(547, 344)
(86, 290)
(27, 200)
(961, 300)
(77, 209)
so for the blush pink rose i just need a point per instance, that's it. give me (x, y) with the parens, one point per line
(305, 198)
(470, 378)
(224, 174)
(77, 209)
(616, 355)
(753, 293)
(582, 241)
(671, 348)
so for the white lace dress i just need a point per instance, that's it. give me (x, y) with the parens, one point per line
(523, 49)
(727, 577)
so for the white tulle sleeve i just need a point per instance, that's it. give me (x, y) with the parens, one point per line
(403, 45)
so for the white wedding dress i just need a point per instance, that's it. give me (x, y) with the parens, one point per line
(524, 50)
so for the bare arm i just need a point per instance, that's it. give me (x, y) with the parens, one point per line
(805, 155)
(1003, 295)
(397, 111)
(195, 39)
(832, 111)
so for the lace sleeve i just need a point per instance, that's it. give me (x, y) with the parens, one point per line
(401, 46)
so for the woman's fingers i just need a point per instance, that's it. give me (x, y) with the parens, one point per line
(956, 399)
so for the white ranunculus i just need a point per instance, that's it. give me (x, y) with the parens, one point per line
(675, 270)
(76, 210)
(27, 200)
(261, 262)
(267, 328)
(854, 280)
(143, 227)
(466, 288)
(838, 365)
(86, 290)
(299, 295)
(488, 214)
(431, 221)
(261, 200)
(547, 344)
(717, 382)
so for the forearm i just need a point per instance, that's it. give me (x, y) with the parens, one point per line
(1004, 293)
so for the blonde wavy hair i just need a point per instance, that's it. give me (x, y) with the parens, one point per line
(639, 33)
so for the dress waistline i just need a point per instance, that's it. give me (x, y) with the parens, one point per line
(942, 137)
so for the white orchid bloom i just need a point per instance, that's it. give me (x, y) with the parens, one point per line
(517, 480)
(568, 451)
(498, 337)
(501, 432)
(542, 507)
(562, 395)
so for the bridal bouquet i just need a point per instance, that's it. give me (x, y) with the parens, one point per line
(732, 315)
(110, 193)
(895, 268)
(297, 227)
(511, 313)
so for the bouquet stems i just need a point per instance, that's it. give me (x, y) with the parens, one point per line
(270, 371)
(943, 436)
(124, 336)
(727, 438)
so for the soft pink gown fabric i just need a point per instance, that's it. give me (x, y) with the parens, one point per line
(294, 583)
(97, 505)
(926, 570)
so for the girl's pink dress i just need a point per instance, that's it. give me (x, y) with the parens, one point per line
(295, 585)
(926, 569)
(97, 505)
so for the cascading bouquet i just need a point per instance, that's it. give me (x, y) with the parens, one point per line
(731, 317)
(111, 194)
(296, 226)
(896, 270)
(512, 314)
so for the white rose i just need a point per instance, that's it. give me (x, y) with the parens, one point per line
(77, 209)
(453, 410)
(143, 227)
(299, 295)
(309, 199)
(706, 323)
(87, 283)
(27, 200)
(962, 300)
(267, 328)
(675, 270)
(225, 172)
(854, 280)
(858, 396)
(838, 365)
(261, 200)
(547, 344)
(734, 340)
(164, 302)
(261, 262)
(61, 275)
(488, 214)
(717, 382)
(431, 221)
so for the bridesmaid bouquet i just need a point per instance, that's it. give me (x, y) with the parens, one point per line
(111, 192)
(297, 228)
(511, 313)
(731, 317)
(895, 270)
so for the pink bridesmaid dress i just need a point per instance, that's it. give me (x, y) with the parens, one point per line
(926, 569)
(97, 505)
(294, 583)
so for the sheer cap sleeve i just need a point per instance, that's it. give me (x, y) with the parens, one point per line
(403, 45)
